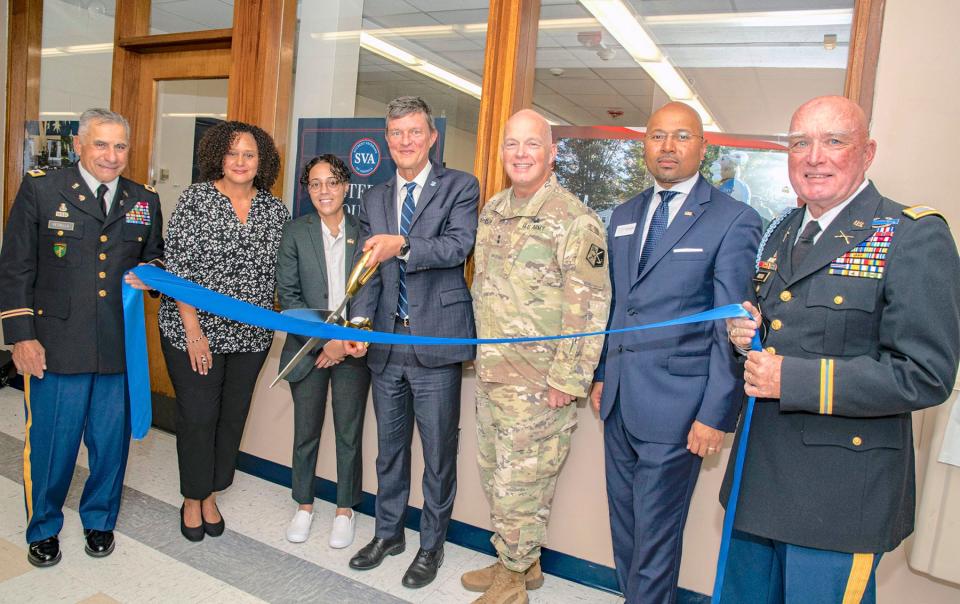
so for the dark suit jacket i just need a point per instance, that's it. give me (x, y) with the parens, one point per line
(670, 376)
(830, 465)
(442, 233)
(62, 266)
(302, 279)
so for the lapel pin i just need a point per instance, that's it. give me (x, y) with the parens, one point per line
(350, 241)
(62, 208)
(75, 186)
(433, 183)
(841, 235)
(688, 213)
(858, 224)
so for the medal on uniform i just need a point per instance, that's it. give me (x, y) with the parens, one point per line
(82, 197)
(75, 186)
(60, 249)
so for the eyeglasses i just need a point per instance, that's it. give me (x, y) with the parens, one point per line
(247, 155)
(413, 133)
(330, 183)
(682, 137)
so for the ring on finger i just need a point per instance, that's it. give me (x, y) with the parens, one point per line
(203, 359)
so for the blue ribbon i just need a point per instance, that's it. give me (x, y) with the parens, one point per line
(305, 323)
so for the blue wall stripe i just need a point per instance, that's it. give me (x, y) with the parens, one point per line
(466, 535)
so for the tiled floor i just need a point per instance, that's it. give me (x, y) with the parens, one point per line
(252, 562)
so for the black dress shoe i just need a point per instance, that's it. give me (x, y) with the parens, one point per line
(192, 533)
(423, 569)
(99, 543)
(374, 552)
(45, 552)
(214, 529)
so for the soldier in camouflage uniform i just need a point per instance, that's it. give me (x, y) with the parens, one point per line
(540, 270)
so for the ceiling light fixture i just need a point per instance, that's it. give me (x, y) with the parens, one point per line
(398, 55)
(621, 23)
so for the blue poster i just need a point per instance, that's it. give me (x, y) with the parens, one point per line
(361, 143)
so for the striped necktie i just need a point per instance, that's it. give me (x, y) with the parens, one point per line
(406, 215)
(658, 225)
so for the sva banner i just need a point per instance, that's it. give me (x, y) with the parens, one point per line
(361, 143)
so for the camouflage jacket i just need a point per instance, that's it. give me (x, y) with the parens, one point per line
(540, 270)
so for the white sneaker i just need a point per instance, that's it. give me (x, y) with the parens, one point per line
(299, 528)
(344, 529)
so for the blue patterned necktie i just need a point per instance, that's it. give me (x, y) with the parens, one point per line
(659, 223)
(406, 215)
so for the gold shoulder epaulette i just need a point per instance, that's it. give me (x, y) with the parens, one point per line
(36, 172)
(918, 212)
(149, 188)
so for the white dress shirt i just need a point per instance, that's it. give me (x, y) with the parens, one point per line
(683, 188)
(420, 179)
(94, 184)
(334, 247)
(827, 217)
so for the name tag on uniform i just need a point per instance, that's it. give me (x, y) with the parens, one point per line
(59, 225)
(625, 229)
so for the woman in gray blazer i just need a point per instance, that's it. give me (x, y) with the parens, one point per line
(315, 257)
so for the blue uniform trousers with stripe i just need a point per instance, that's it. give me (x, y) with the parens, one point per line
(60, 410)
(764, 571)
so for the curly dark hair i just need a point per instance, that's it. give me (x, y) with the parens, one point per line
(216, 142)
(339, 169)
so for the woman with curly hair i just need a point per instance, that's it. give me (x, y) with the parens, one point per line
(223, 235)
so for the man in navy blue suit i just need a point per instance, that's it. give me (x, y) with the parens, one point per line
(667, 395)
(421, 226)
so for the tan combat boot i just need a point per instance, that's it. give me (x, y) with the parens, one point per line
(481, 580)
(507, 588)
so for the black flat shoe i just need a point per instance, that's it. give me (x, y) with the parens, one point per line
(45, 552)
(192, 533)
(99, 543)
(423, 569)
(374, 552)
(214, 529)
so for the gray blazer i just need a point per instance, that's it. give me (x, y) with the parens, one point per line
(442, 233)
(302, 278)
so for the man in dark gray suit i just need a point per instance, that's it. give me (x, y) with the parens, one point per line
(421, 225)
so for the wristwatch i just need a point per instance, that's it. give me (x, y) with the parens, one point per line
(405, 248)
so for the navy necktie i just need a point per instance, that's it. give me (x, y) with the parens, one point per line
(658, 225)
(406, 215)
(102, 198)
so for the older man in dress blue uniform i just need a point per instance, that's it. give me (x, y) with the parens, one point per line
(71, 236)
(859, 301)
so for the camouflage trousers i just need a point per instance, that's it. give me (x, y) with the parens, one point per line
(522, 444)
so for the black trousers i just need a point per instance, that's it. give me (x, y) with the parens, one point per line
(211, 412)
(350, 384)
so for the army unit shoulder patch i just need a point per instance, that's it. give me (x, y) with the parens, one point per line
(918, 212)
(596, 256)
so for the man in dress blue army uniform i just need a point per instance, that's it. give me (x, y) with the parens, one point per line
(859, 304)
(70, 237)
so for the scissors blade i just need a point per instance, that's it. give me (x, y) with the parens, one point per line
(296, 359)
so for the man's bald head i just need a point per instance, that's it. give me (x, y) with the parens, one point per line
(830, 151)
(674, 145)
(527, 152)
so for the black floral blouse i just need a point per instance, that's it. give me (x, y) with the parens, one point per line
(206, 243)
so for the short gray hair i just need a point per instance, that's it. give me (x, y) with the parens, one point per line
(99, 115)
(405, 105)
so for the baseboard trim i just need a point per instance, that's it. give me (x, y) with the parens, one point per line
(465, 535)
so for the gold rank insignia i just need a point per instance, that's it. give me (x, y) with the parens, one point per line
(82, 197)
(918, 212)
(149, 188)
(75, 186)
(36, 172)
